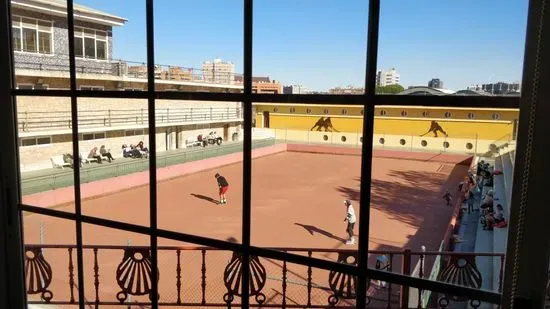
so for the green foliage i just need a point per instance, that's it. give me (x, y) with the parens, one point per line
(390, 89)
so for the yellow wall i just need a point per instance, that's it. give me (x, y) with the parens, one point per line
(457, 122)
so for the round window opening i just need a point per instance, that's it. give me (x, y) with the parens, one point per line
(343, 138)
(382, 140)
(344, 112)
(404, 113)
(471, 116)
(424, 143)
(382, 113)
(496, 116)
(308, 111)
(425, 114)
(448, 114)
(446, 144)
(276, 109)
(325, 137)
(292, 109)
(326, 111)
(469, 146)
(402, 142)
(362, 112)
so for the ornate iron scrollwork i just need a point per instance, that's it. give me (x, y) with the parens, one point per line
(460, 270)
(38, 274)
(134, 274)
(343, 286)
(232, 278)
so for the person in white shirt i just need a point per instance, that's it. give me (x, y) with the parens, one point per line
(350, 218)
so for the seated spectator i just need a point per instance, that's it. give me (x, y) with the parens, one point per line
(126, 151)
(487, 202)
(68, 158)
(93, 154)
(494, 219)
(136, 153)
(141, 147)
(106, 153)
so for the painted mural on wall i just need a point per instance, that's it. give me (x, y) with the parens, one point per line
(434, 128)
(324, 123)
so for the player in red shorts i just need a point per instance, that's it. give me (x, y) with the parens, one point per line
(223, 185)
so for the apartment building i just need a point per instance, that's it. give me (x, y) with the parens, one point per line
(218, 71)
(386, 78)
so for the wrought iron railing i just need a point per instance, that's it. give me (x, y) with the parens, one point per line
(37, 120)
(201, 276)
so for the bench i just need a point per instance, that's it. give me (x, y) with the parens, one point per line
(57, 161)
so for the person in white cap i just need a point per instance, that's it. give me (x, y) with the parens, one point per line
(350, 218)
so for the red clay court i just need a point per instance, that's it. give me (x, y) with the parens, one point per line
(297, 202)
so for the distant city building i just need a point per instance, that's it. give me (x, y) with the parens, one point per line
(262, 84)
(295, 89)
(435, 83)
(386, 78)
(218, 72)
(347, 90)
(475, 87)
(501, 88)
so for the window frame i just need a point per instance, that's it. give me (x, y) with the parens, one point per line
(368, 101)
(37, 38)
(94, 137)
(80, 33)
(35, 138)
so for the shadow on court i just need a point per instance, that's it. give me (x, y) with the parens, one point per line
(313, 229)
(206, 198)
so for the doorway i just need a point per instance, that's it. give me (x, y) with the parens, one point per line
(266, 119)
(226, 132)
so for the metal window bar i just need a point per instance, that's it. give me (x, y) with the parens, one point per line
(152, 151)
(366, 151)
(76, 154)
(368, 100)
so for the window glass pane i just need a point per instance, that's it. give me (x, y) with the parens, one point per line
(16, 35)
(78, 31)
(187, 147)
(44, 41)
(114, 159)
(101, 35)
(101, 50)
(88, 136)
(320, 141)
(51, 260)
(323, 52)
(46, 174)
(29, 40)
(44, 26)
(28, 142)
(78, 47)
(89, 32)
(89, 47)
(29, 23)
(445, 55)
(43, 140)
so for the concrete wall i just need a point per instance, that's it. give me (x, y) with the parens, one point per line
(38, 157)
(391, 141)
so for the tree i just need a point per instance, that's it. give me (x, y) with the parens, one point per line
(390, 89)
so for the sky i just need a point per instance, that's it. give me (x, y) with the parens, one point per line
(321, 44)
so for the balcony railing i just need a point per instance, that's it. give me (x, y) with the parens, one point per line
(132, 69)
(201, 276)
(34, 121)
